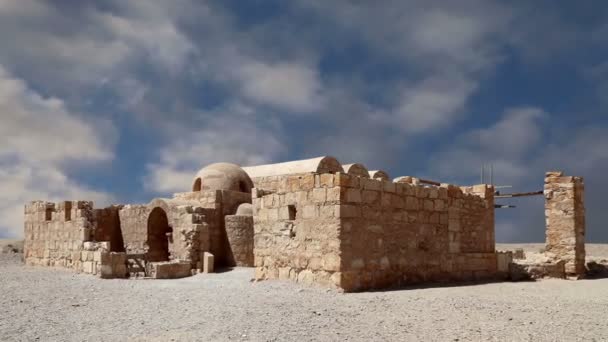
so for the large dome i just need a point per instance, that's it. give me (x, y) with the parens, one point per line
(222, 176)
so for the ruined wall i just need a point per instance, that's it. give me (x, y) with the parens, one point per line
(61, 234)
(239, 231)
(190, 224)
(55, 232)
(296, 230)
(565, 219)
(474, 207)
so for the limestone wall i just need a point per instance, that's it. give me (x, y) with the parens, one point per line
(400, 233)
(565, 219)
(191, 226)
(61, 234)
(358, 233)
(296, 230)
(55, 232)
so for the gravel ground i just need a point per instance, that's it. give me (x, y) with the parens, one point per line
(58, 305)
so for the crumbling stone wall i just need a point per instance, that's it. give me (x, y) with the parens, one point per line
(297, 230)
(62, 234)
(55, 232)
(565, 219)
(190, 224)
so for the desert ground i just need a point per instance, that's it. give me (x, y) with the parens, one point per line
(58, 305)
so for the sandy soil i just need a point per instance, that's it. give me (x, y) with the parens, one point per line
(58, 305)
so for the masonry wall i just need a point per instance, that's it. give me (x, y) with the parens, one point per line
(61, 234)
(223, 202)
(398, 233)
(565, 221)
(357, 233)
(134, 227)
(273, 183)
(55, 232)
(297, 230)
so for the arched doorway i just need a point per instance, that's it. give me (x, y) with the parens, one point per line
(159, 233)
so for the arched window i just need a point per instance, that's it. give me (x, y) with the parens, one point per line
(198, 184)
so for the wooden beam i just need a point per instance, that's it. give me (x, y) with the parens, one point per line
(426, 181)
(520, 194)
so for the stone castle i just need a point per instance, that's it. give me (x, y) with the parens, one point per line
(312, 221)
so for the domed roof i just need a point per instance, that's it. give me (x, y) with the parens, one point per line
(245, 209)
(222, 176)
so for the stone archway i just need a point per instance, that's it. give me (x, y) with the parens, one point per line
(159, 233)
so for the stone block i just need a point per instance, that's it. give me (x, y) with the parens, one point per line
(208, 262)
(97, 256)
(170, 269)
(309, 211)
(346, 210)
(368, 196)
(352, 195)
(333, 194)
(326, 180)
(319, 195)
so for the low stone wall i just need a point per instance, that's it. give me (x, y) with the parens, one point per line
(97, 259)
(239, 231)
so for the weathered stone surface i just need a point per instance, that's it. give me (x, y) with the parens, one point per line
(208, 263)
(239, 231)
(526, 271)
(169, 269)
(565, 216)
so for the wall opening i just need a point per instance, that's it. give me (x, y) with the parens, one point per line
(68, 211)
(159, 234)
(243, 187)
(292, 211)
(198, 184)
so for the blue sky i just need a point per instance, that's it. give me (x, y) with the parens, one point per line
(123, 101)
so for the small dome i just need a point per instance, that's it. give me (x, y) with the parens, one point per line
(245, 209)
(222, 176)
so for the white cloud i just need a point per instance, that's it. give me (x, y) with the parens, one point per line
(41, 130)
(433, 103)
(37, 137)
(231, 136)
(506, 144)
(285, 85)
